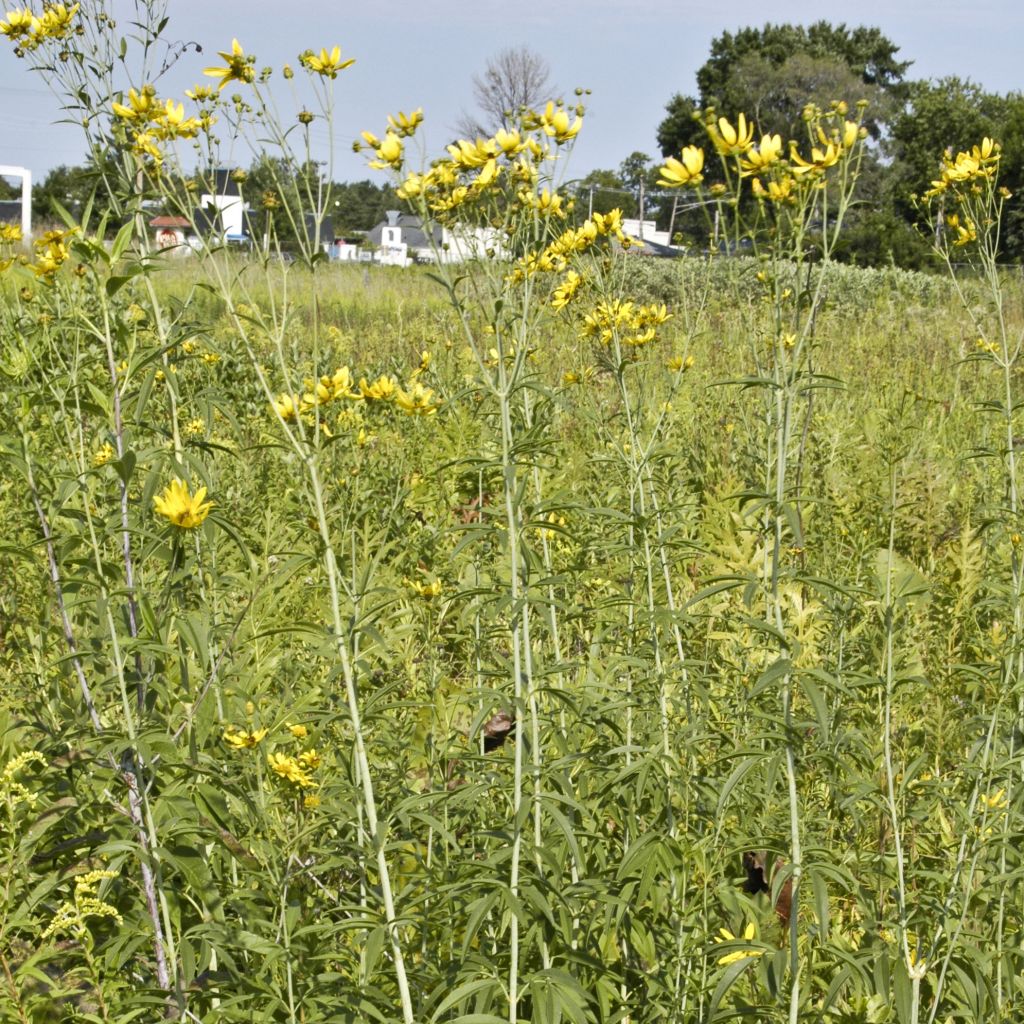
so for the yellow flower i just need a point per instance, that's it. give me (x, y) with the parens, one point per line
(821, 159)
(748, 953)
(287, 407)
(555, 122)
(389, 152)
(406, 124)
(309, 759)
(241, 739)
(55, 21)
(298, 731)
(730, 141)
(418, 400)
(966, 232)
(676, 173)
(995, 801)
(468, 155)
(180, 507)
(767, 152)
(105, 454)
(239, 67)
(563, 294)
(427, 590)
(289, 769)
(10, 233)
(509, 142)
(776, 192)
(21, 27)
(381, 390)
(327, 64)
(172, 123)
(311, 802)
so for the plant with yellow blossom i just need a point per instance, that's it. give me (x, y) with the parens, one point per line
(180, 507)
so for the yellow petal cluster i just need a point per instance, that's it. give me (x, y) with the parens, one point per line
(749, 953)
(294, 770)
(325, 64)
(28, 31)
(731, 140)
(981, 163)
(180, 507)
(238, 66)
(684, 172)
(760, 157)
(51, 253)
(243, 739)
(634, 325)
(556, 123)
(406, 124)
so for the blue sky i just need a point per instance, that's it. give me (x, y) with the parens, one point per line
(632, 54)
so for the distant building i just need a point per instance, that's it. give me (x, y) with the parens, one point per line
(647, 240)
(13, 210)
(403, 239)
(224, 218)
(172, 233)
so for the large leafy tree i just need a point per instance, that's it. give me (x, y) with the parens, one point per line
(772, 72)
(953, 114)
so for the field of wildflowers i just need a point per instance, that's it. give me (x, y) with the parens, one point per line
(552, 637)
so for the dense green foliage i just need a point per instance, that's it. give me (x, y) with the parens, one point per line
(551, 636)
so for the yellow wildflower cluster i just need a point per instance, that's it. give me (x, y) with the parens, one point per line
(554, 257)
(104, 454)
(632, 324)
(980, 164)
(414, 398)
(295, 769)
(472, 168)
(72, 914)
(679, 173)
(10, 235)
(964, 229)
(28, 31)
(148, 121)
(564, 292)
(13, 792)
(52, 253)
(834, 138)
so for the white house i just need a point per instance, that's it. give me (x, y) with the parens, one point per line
(403, 239)
(26, 195)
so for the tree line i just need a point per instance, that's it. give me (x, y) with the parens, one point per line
(771, 74)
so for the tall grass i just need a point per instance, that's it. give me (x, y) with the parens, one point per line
(526, 667)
